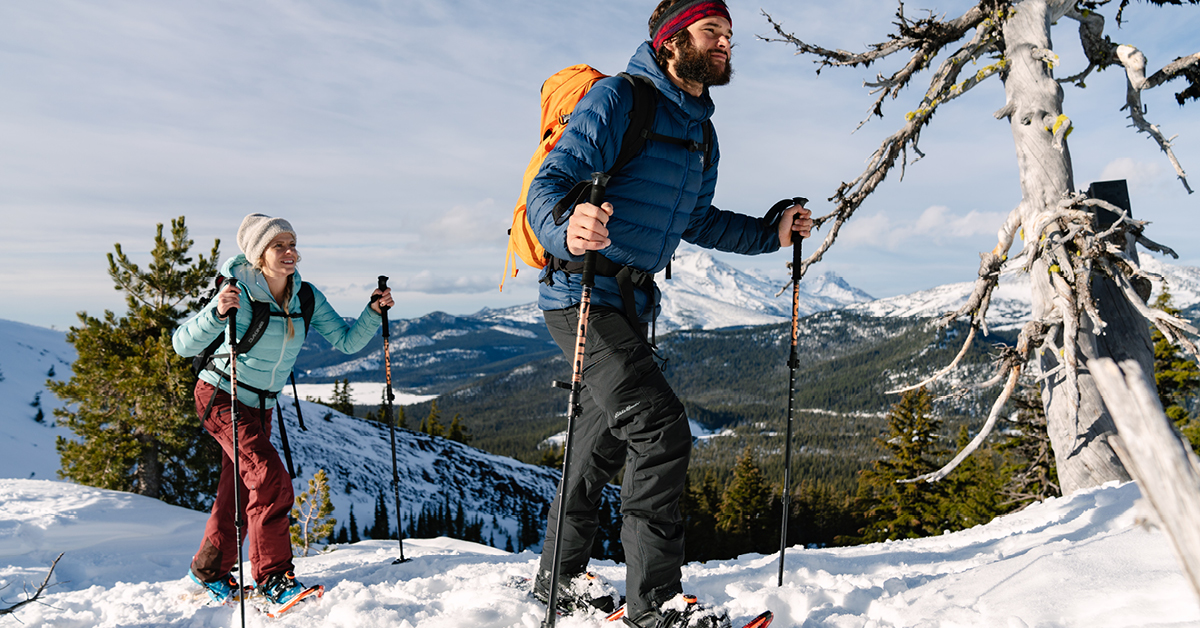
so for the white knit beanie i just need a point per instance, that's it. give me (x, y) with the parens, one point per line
(256, 233)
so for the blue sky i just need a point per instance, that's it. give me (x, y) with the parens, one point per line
(393, 135)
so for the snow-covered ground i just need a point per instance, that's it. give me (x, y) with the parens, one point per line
(1077, 561)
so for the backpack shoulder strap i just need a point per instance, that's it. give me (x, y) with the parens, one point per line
(307, 304)
(641, 120)
(260, 317)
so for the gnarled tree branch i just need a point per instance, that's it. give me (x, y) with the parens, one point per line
(36, 594)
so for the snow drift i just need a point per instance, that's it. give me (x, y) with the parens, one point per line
(1076, 561)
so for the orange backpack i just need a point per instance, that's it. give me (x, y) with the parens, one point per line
(560, 93)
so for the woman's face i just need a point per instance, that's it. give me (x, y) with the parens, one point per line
(280, 257)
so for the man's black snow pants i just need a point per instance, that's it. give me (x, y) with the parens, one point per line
(632, 417)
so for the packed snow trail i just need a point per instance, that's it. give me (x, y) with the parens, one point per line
(1077, 561)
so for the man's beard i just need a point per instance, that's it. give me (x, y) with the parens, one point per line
(696, 65)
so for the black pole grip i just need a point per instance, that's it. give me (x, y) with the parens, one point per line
(231, 317)
(797, 256)
(599, 184)
(382, 310)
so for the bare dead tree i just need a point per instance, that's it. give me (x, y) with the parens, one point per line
(1167, 471)
(1086, 300)
(36, 594)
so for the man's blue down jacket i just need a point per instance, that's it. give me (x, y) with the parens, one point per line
(662, 195)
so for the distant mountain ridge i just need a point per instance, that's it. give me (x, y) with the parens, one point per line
(706, 293)
(439, 351)
(1011, 304)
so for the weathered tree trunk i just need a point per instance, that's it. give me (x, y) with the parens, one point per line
(1077, 421)
(1167, 471)
(149, 469)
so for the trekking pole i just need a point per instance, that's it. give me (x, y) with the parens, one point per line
(387, 370)
(574, 409)
(793, 364)
(296, 401)
(237, 470)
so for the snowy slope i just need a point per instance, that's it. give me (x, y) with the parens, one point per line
(1070, 562)
(28, 355)
(356, 454)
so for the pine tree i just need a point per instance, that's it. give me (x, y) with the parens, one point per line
(552, 457)
(822, 516)
(401, 420)
(699, 507)
(382, 527)
(896, 510)
(1176, 376)
(311, 514)
(1029, 459)
(745, 514)
(529, 528)
(431, 424)
(353, 527)
(972, 494)
(129, 399)
(458, 432)
(341, 399)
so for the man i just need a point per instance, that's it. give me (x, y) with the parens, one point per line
(630, 414)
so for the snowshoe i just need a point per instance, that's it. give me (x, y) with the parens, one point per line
(281, 592)
(585, 591)
(223, 590)
(681, 611)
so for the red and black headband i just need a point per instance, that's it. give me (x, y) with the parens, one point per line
(683, 15)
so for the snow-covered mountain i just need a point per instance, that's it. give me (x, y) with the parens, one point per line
(1011, 303)
(1075, 562)
(355, 453)
(29, 356)
(706, 293)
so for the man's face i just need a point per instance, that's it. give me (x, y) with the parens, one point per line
(706, 58)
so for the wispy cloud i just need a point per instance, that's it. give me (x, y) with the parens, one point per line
(936, 225)
(394, 136)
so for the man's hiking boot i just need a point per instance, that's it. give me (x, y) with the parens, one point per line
(582, 591)
(220, 591)
(681, 611)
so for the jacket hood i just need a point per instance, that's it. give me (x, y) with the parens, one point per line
(241, 269)
(693, 108)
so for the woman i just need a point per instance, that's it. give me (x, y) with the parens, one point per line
(264, 273)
